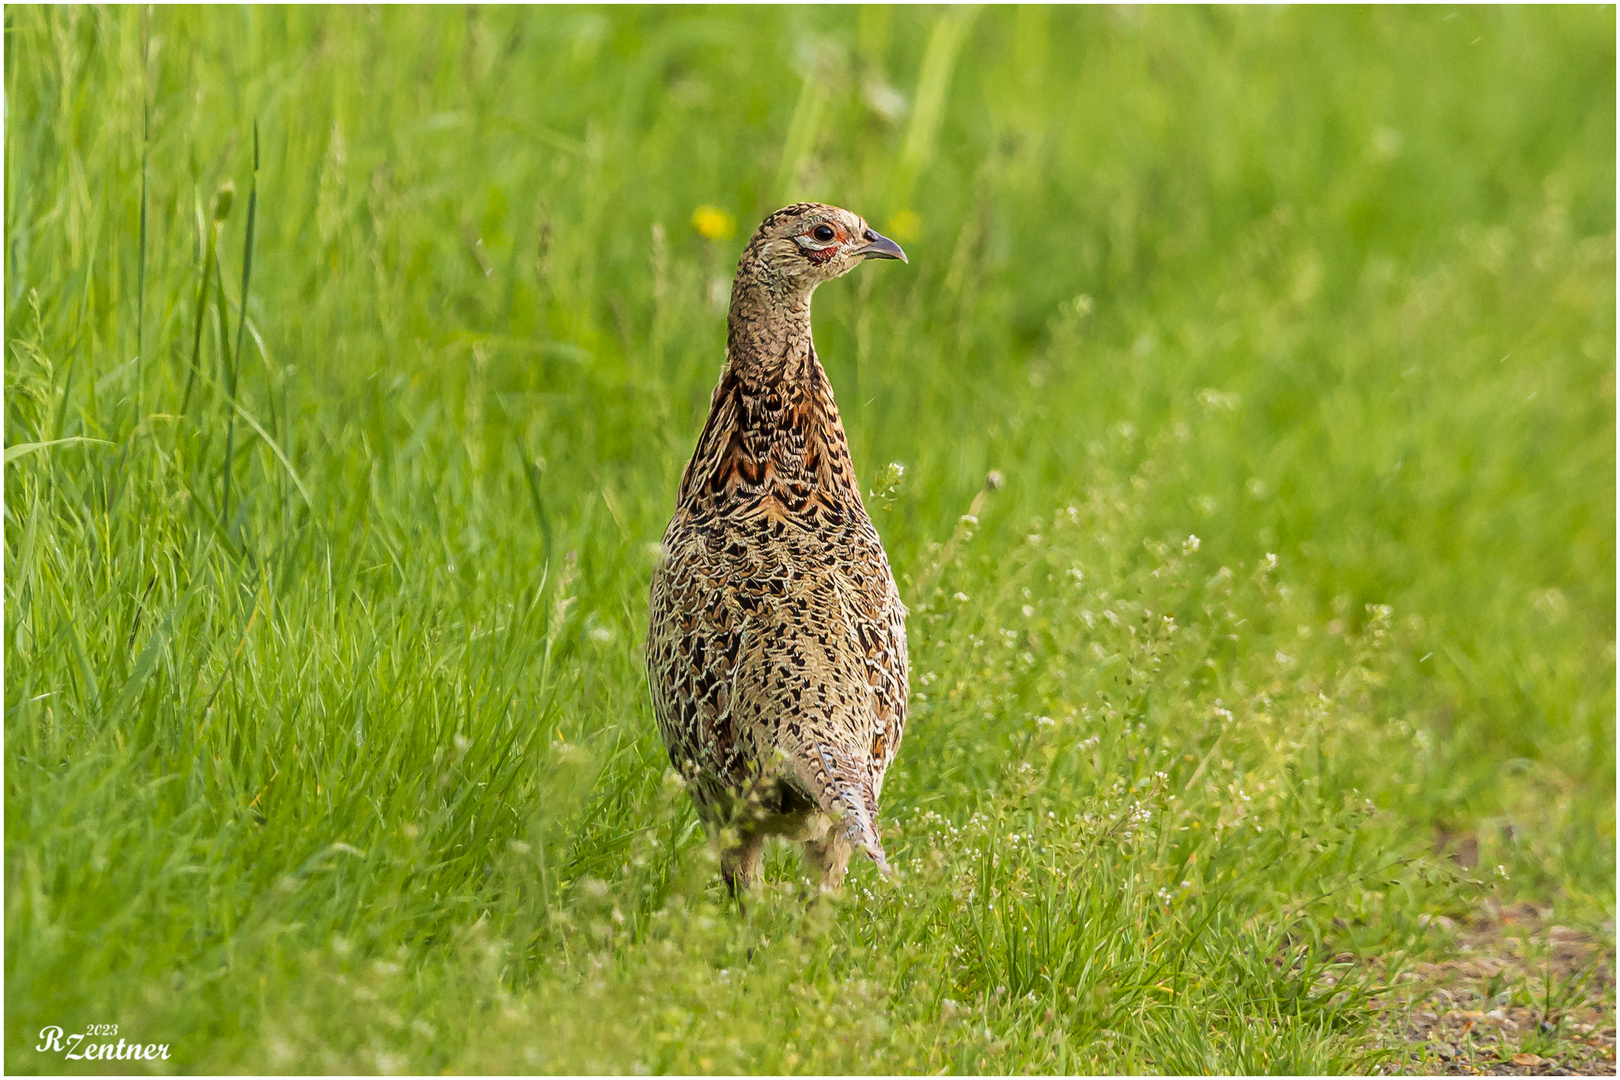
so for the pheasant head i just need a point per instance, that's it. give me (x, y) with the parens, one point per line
(794, 250)
(800, 246)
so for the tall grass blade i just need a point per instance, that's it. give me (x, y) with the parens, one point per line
(140, 272)
(241, 327)
(17, 450)
(202, 313)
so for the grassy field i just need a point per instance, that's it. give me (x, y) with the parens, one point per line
(1286, 642)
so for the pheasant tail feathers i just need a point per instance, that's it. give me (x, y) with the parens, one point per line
(844, 790)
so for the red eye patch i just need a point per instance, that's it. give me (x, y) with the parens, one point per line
(823, 233)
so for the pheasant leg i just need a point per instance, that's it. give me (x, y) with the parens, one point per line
(740, 864)
(829, 857)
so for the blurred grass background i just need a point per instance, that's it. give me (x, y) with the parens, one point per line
(1291, 331)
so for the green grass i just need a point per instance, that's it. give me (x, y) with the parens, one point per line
(355, 769)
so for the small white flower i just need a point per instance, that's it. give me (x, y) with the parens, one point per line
(1190, 545)
(885, 100)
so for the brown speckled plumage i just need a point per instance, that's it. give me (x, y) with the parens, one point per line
(777, 645)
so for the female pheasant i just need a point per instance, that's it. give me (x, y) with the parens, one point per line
(777, 645)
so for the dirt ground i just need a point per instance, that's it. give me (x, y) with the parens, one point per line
(1517, 996)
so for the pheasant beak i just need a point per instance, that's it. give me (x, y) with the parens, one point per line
(878, 246)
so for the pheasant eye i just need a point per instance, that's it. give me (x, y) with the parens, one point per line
(823, 233)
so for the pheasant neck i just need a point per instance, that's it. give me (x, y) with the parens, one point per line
(774, 437)
(767, 332)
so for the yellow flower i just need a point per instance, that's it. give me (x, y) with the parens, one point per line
(713, 222)
(905, 226)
